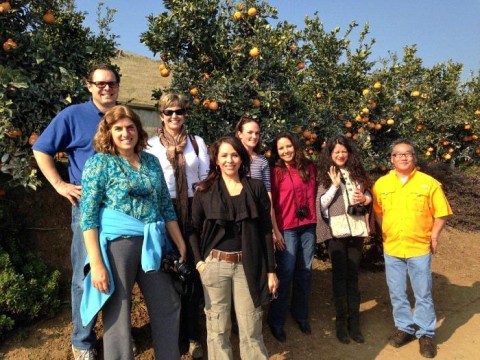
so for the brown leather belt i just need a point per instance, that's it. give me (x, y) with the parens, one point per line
(233, 257)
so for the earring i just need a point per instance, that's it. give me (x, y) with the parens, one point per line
(217, 169)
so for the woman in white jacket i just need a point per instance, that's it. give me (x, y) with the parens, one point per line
(185, 161)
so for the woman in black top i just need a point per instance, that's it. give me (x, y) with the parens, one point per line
(233, 250)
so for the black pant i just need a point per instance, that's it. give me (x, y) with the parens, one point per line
(345, 255)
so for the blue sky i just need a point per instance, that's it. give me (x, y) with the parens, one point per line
(442, 29)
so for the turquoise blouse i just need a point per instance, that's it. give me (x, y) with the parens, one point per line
(110, 181)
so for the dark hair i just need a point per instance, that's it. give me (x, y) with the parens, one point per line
(103, 142)
(300, 161)
(353, 165)
(105, 67)
(239, 128)
(403, 141)
(214, 173)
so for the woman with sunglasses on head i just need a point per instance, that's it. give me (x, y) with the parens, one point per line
(184, 159)
(342, 221)
(233, 249)
(293, 197)
(125, 209)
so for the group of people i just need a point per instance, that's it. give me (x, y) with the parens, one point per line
(246, 225)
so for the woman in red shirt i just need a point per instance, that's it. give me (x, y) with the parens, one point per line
(293, 198)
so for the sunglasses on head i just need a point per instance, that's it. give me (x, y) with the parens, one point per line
(170, 112)
(102, 84)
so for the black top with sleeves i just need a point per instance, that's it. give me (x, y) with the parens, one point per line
(212, 209)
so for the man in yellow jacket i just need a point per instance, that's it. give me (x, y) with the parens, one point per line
(411, 208)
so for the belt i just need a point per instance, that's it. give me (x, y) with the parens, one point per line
(233, 257)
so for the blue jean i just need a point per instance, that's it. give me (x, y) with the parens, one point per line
(418, 269)
(83, 338)
(294, 264)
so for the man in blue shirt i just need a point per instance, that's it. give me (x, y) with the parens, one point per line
(72, 131)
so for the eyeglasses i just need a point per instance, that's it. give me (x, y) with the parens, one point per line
(171, 112)
(102, 84)
(405, 156)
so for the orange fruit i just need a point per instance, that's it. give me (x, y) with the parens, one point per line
(361, 130)
(300, 65)
(162, 66)
(206, 103)
(33, 138)
(213, 105)
(252, 12)
(467, 126)
(428, 153)
(396, 108)
(256, 103)
(165, 72)
(475, 137)
(9, 45)
(318, 95)
(196, 101)
(365, 111)
(240, 7)
(307, 134)
(14, 133)
(415, 93)
(268, 153)
(390, 122)
(477, 112)
(447, 156)
(194, 91)
(365, 92)
(378, 126)
(206, 76)
(237, 15)
(348, 135)
(5, 7)
(355, 137)
(298, 129)
(348, 124)
(294, 47)
(377, 85)
(254, 52)
(49, 18)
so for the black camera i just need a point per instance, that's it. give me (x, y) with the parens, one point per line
(171, 264)
(356, 210)
(302, 212)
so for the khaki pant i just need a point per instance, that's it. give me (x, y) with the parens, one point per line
(220, 280)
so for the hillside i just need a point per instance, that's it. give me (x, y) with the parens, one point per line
(140, 76)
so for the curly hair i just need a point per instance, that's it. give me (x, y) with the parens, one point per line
(214, 173)
(239, 129)
(171, 99)
(103, 141)
(300, 161)
(353, 165)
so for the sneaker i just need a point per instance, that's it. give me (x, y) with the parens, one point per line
(428, 348)
(195, 350)
(400, 338)
(89, 354)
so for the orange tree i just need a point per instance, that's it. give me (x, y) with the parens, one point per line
(231, 59)
(45, 52)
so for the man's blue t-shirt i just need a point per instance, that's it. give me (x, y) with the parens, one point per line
(72, 131)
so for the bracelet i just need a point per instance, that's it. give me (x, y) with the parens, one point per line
(200, 263)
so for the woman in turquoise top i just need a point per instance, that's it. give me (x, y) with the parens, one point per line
(121, 181)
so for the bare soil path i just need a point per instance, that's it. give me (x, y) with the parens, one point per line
(456, 270)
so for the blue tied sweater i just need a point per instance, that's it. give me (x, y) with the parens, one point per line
(113, 225)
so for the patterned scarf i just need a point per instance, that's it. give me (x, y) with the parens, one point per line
(175, 146)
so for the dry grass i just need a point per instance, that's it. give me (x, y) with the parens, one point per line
(140, 76)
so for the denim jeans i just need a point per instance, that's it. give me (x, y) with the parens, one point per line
(419, 271)
(83, 338)
(294, 264)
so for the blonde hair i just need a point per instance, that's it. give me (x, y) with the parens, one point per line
(171, 99)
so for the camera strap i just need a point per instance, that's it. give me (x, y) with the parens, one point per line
(293, 187)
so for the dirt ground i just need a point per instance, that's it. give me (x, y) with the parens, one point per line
(456, 271)
(457, 299)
